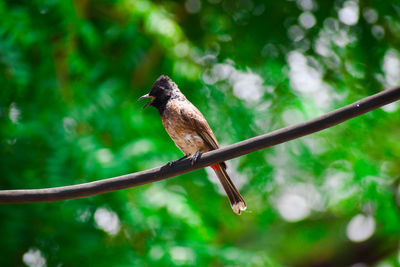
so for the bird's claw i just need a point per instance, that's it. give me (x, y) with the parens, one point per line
(195, 157)
(172, 163)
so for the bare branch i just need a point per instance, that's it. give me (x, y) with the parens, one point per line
(236, 150)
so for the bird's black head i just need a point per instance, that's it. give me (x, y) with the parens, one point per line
(162, 88)
(161, 92)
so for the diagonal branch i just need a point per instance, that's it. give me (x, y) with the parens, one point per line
(236, 150)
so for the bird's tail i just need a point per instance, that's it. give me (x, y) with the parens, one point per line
(236, 200)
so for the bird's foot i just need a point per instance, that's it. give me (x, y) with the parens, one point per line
(195, 157)
(172, 163)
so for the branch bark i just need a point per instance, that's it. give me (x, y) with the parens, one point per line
(236, 150)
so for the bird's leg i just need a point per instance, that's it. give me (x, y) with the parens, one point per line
(184, 157)
(169, 164)
(195, 157)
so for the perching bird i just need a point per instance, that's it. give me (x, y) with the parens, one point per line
(190, 131)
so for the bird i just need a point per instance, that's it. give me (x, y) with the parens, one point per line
(190, 131)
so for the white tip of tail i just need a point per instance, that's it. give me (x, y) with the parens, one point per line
(238, 207)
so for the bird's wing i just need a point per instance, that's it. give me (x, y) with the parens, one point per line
(197, 122)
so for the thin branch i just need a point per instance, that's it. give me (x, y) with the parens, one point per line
(236, 150)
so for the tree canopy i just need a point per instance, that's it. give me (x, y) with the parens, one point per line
(70, 75)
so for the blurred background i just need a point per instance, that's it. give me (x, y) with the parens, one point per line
(70, 75)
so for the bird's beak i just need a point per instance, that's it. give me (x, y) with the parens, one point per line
(146, 96)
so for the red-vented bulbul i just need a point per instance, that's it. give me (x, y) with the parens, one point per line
(190, 131)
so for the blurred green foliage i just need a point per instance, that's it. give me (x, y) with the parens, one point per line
(70, 74)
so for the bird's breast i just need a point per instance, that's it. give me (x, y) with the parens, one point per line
(183, 135)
